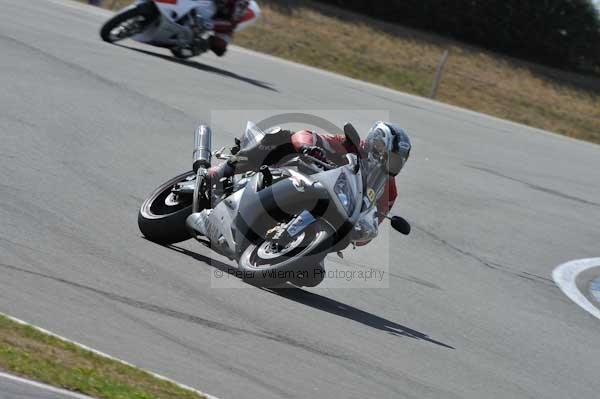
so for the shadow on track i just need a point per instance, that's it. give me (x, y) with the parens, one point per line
(334, 307)
(224, 267)
(324, 304)
(204, 67)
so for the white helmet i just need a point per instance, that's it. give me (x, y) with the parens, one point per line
(389, 145)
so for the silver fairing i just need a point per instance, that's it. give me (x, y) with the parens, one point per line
(222, 219)
(247, 214)
(328, 180)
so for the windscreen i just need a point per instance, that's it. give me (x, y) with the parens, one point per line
(375, 178)
(252, 136)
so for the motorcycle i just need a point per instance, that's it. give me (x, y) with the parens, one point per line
(166, 23)
(278, 223)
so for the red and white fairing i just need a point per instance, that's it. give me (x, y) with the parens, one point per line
(175, 9)
(252, 15)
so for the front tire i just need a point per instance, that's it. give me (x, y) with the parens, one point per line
(129, 22)
(162, 217)
(301, 263)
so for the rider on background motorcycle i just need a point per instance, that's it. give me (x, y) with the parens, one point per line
(222, 16)
(387, 148)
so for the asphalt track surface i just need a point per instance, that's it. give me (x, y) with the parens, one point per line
(16, 388)
(88, 129)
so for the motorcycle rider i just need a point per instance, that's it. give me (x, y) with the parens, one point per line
(222, 16)
(387, 148)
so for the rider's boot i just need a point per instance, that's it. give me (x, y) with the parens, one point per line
(218, 45)
(216, 176)
(220, 172)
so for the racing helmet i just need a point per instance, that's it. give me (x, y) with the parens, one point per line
(389, 145)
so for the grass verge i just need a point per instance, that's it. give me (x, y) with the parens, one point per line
(29, 353)
(404, 59)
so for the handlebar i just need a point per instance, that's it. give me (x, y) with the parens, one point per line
(318, 162)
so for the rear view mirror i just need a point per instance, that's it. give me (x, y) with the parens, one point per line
(401, 225)
(352, 135)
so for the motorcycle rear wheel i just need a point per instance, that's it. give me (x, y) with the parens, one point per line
(129, 22)
(162, 216)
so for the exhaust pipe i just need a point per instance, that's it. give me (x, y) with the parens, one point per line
(202, 147)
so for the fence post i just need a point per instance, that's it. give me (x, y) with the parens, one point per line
(438, 74)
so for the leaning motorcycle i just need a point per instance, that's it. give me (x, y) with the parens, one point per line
(277, 223)
(166, 23)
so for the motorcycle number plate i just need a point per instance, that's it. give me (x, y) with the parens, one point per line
(300, 224)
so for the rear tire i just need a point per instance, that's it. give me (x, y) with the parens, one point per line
(142, 14)
(161, 218)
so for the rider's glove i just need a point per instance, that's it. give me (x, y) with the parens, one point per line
(315, 152)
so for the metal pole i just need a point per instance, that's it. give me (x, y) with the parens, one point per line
(438, 74)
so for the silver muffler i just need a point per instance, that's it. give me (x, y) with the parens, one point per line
(202, 147)
(196, 222)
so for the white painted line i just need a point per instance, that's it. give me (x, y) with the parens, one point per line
(565, 276)
(107, 356)
(596, 289)
(43, 386)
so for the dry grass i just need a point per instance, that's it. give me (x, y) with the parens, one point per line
(27, 352)
(405, 59)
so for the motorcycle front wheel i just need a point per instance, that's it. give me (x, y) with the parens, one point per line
(129, 22)
(162, 216)
(299, 262)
